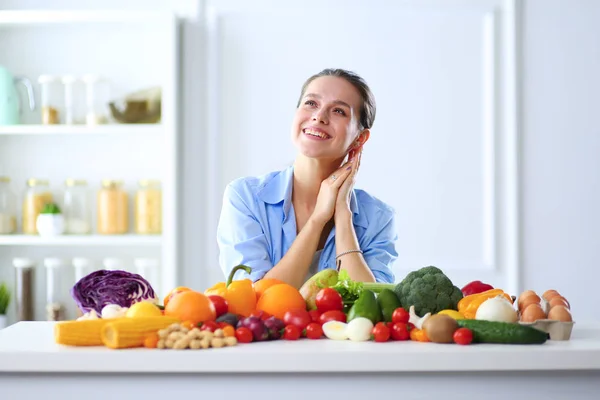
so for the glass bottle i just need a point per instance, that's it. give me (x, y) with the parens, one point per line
(8, 207)
(83, 267)
(97, 99)
(50, 96)
(54, 307)
(148, 207)
(37, 196)
(113, 212)
(24, 299)
(77, 207)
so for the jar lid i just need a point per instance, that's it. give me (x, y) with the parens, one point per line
(109, 183)
(4, 179)
(112, 263)
(68, 79)
(37, 182)
(22, 262)
(81, 262)
(75, 182)
(53, 262)
(149, 182)
(145, 262)
(47, 78)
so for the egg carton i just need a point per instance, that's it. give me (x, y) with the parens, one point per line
(557, 330)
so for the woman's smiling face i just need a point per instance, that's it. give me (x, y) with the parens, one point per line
(326, 121)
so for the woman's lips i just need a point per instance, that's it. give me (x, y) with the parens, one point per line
(316, 134)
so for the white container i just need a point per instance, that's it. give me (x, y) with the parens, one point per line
(97, 99)
(50, 224)
(51, 99)
(3, 322)
(113, 264)
(54, 289)
(24, 288)
(77, 207)
(83, 266)
(148, 269)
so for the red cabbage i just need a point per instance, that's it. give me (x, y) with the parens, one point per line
(102, 287)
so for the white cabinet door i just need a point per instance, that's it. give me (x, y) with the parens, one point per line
(440, 72)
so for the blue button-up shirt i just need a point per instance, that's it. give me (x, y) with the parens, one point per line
(258, 225)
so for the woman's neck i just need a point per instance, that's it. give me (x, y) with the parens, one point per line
(308, 175)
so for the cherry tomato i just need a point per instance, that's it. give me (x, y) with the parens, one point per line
(400, 331)
(463, 336)
(400, 315)
(221, 306)
(210, 326)
(329, 299)
(229, 331)
(314, 330)
(291, 332)
(260, 314)
(315, 315)
(333, 315)
(243, 335)
(381, 333)
(299, 317)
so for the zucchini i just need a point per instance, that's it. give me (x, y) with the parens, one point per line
(503, 332)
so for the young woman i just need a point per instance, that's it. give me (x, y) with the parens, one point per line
(294, 223)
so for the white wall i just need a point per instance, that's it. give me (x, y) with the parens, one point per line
(560, 142)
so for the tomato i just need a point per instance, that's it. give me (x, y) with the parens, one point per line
(463, 336)
(300, 318)
(329, 299)
(260, 314)
(221, 306)
(314, 331)
(210, 326)
(400, 315)
(243, 335)
(333, 315)
(291, 332)
(381, 333)
(400, 331)
(315, 315)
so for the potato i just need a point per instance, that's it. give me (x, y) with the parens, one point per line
(440, 328)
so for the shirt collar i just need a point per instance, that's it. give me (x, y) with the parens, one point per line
(279, 189)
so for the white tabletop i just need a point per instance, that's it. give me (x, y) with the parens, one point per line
(30, 347)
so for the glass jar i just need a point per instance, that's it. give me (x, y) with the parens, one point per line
(77, 207)
(8, 207)
(24, 285)
(37, 196)
(97, 99)
(82, 267)
(148, 269)
(148, 207)
(55, 310)
(50, 96)
(113, 213)
(113, 264)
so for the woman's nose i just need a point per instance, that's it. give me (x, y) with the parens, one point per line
(320, 116)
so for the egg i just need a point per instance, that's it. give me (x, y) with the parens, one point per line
(560, 313)
(549, 294)
(335, 330)
(359, 329)
(523, 295)
(558, 301)
(532, 298)
(532, 313)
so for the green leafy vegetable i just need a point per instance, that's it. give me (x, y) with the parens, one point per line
(50, 208)
(4, 298)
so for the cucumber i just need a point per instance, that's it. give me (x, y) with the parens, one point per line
(503, 332)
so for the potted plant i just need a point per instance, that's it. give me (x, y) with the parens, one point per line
(4, 302)
(50, 221)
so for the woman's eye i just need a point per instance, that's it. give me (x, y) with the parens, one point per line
(339, 111)
(310, 103)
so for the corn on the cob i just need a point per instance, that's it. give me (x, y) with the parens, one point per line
(131, 332)
(80, 333)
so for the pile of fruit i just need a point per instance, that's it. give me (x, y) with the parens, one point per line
(424, 307)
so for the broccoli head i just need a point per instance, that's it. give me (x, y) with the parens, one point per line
(429, 290)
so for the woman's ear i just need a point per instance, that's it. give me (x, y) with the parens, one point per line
(362, 138)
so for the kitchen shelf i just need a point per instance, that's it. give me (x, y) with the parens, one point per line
(109, 129)
(81, 240)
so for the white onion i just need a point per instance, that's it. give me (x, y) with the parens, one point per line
(497, 309)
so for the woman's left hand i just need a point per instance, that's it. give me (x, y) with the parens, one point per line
(342, 206)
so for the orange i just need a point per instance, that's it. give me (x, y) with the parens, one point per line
(173, 292)
(191, 306)
(280, 298)
(263, 284)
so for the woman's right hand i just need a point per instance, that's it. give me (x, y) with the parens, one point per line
(326, 200)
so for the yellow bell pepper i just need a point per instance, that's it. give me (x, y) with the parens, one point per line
(468, 305)
(240, 294)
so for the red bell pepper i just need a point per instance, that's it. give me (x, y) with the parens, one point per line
(475, 287)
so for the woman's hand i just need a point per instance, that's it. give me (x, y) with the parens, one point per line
(328, 193)
(342, 206)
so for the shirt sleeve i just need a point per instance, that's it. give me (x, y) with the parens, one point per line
(240, 237)
(380, 251)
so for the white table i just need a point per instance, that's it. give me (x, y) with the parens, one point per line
(32, 366)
